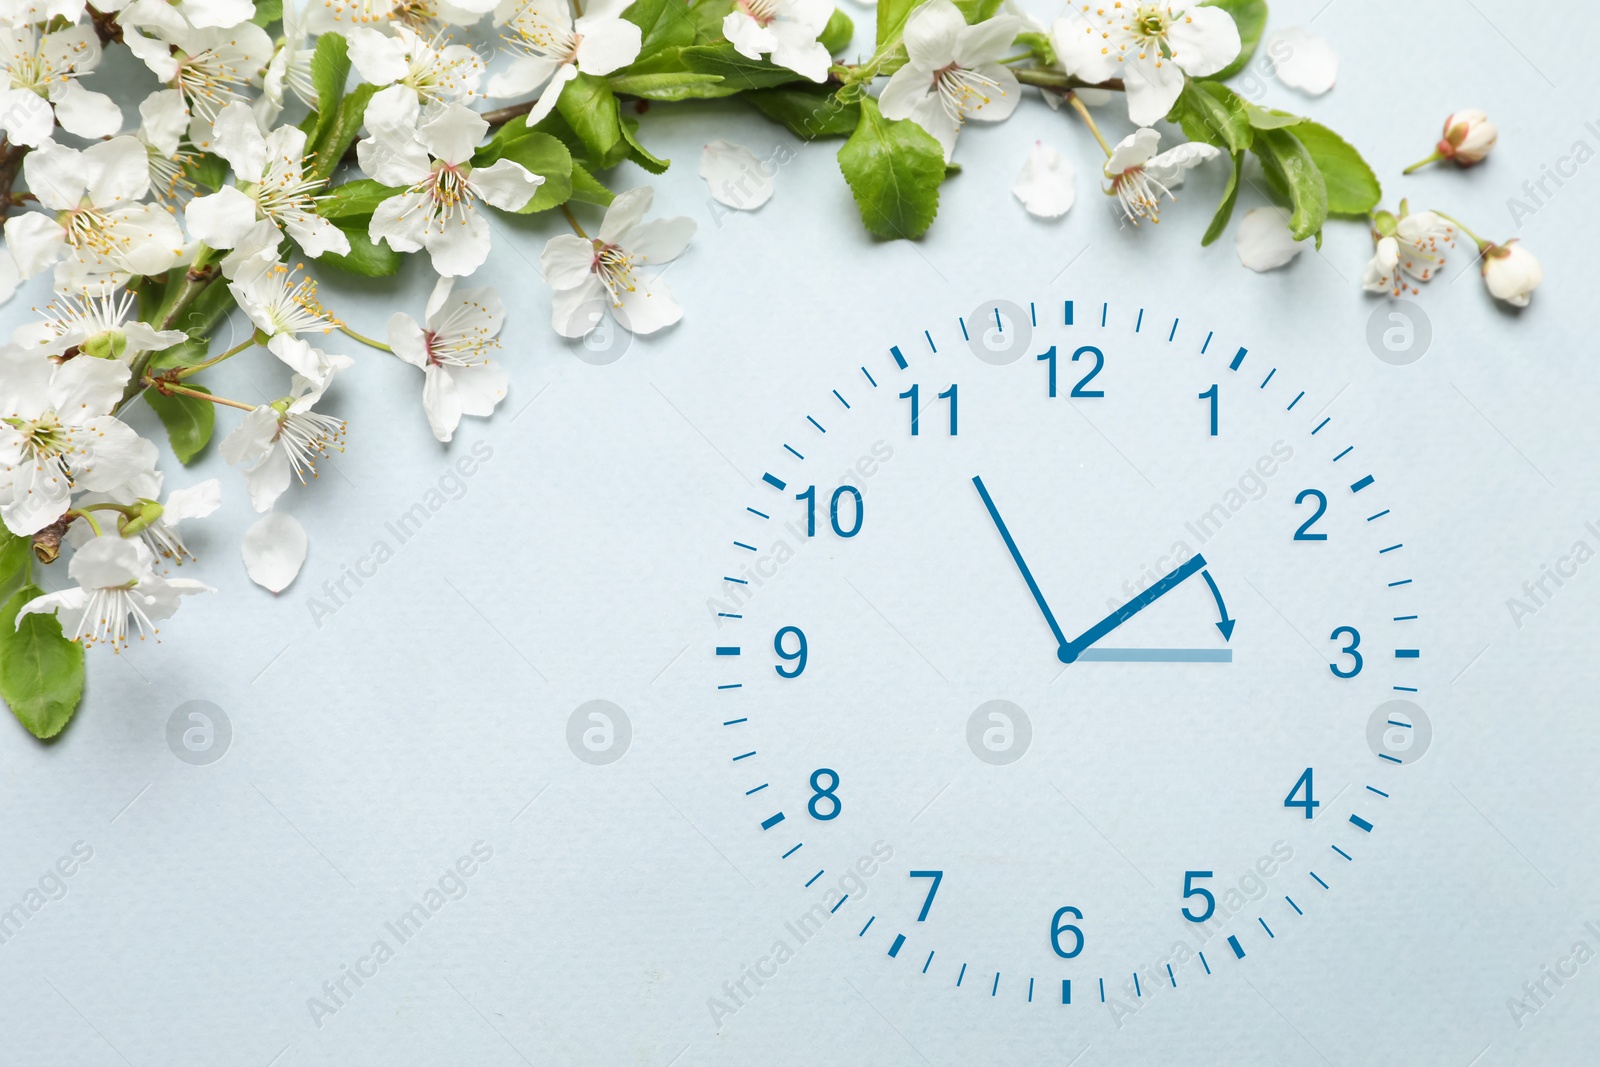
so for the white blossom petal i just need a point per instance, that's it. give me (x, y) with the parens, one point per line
(1047, 185)
(1302, 61)
(274, 548)
(735, 175)
(1263, 239)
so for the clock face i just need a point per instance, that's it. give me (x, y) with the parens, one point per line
(1068, 653)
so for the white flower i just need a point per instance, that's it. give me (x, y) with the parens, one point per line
(116, 584)
(179, 15)
(1412, 247)
(552, 49)
(163, 126)
(737, 177)
(271, 184)
(281, 439)
(590, 275)
(433, 71)
(290, 66)
(953, 72)
(210, 67)
(256, 253)
(1468, 138)
(785, 29)
(310, 364)
(161, 534)
(1150, 46)
(96, 325)
(1263, 239)
(1138, 178)
(428, 156)
(458, 376)
(1302, 61)
(40, 71)
(274, 548)
(1511, 272)
(99, 231)
(279, 304)
(1047, 185)
(57, 435)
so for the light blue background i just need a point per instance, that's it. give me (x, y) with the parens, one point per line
(430, 712)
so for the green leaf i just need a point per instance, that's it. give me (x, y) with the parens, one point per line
(267, 12)
(338, 134)
(1268, 118)
(811, 113)
(41, 672)
(1295, 173)
(587, 189)
(671, 86)
(1213, 113)
(183, 354)
(330, 70)
(662, 24)
(367, 258)
(738, 71)
(541, 154)
(16, 560)
(892, 16)
(838, 33)
(1230, 196)
(708, 16)
(590, 109)
(189, 421)
(976, 11)
(360, 197)
(1251, 18)
(894, 170)
(1353, 189)
(639, 153)
(214, 302)
(207, 170)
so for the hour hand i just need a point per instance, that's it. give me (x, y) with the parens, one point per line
(1071, 650)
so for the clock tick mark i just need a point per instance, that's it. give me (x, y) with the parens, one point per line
(1268, 378)
(870, 378)
(1295, 401)
(841, 400)
(927, 961)
(1345, 453)
(815, 423)
(1267, 928)
(900, 361)
(1375, 789)
(746, 755)
(1174, 331)
(864, 929)
(1361, 823)
(1342, 852)
(814, 877)
(929, 337)
(1238, 358)
(1238, 949)
(894, 949)
(793, 453)
(1207, 345)
(1293, 905)
(1320, 425)
(1356, 487)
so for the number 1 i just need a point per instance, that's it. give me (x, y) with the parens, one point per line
(1211, 394)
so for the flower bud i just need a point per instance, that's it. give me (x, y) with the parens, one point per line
(1468, 137)
(1511, 272)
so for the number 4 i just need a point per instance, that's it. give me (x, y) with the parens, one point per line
(1304, 782)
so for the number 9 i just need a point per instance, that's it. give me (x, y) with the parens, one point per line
(797, 657)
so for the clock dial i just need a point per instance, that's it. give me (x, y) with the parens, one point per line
(1069, 647)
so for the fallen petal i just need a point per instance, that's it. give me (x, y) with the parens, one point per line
(273, 549)
(1047, 185)
(735, 175)
(1302, 61)
(1263, 240)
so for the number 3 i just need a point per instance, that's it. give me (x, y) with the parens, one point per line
(1349, 650)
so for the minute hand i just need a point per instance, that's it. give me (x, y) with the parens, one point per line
(1074, 648)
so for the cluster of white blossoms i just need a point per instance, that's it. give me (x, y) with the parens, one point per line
(152, 231)
(250, 144)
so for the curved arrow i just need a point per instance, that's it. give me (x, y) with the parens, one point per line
(1226, 625)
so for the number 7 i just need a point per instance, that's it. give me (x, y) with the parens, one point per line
(937, 876)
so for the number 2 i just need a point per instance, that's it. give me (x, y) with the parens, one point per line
(1304, 533)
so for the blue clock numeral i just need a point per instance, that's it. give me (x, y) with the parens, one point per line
(1099, 363)
(1057, 928)
(810, 497)
(1303, 782)
(1192, 890)
(937, 876)
(1049, 357)
(1211, 395)
(819, 793)
(914, 395)
(1356, 661)
(797, 657)
(1304, 533)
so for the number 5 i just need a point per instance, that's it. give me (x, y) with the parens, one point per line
(1192, 890)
